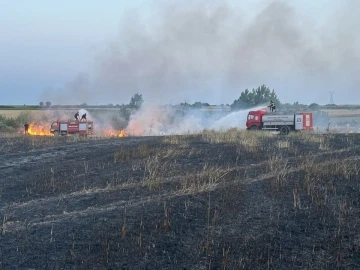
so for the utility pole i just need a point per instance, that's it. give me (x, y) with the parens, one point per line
(331, 97)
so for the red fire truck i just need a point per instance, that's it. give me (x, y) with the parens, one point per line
(263, 120)
(72, 127)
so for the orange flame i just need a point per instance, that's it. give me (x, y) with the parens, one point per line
(114, 133)
(122, 133)
(38, 130)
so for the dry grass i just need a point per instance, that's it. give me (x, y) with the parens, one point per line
(220, 200)
(11, 113)
(342, 112)
(152, 172)
(307, 137)
(206, 179)
(179, 139)
(320, 141)
(131, 153)
(37, 114)
(235, 136)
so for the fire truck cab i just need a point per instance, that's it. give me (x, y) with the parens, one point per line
(254, 119)
(72, 127)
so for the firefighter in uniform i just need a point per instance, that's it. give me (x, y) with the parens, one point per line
(272, 106)
(83, 117)
(26, 127)
(76, 116)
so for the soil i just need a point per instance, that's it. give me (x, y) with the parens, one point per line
(180, 202)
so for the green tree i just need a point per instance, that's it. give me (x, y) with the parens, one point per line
(136, 101)
(255, 97)
(42, 104)
(199, 104)
(314, 106)
(48, 103)
(125, 112)
(134, 105)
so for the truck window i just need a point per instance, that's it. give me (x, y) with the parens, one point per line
(250, 117)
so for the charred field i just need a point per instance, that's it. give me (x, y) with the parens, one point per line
(214, 200)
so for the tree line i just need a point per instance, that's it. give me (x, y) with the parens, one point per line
(248, 98)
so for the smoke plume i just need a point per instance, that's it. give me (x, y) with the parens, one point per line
(154, 121)
(210, 52)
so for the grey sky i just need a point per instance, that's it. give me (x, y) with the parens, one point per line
(104, 52)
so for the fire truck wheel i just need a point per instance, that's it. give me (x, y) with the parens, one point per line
(254, 128)
(284, 130)
(56, 133)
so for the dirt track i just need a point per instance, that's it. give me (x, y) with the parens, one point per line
(180, 202)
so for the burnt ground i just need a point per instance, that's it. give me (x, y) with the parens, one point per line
(233, 200)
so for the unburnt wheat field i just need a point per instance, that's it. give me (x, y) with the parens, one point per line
(214, 200)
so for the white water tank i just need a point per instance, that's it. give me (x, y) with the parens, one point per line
(278, 118)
